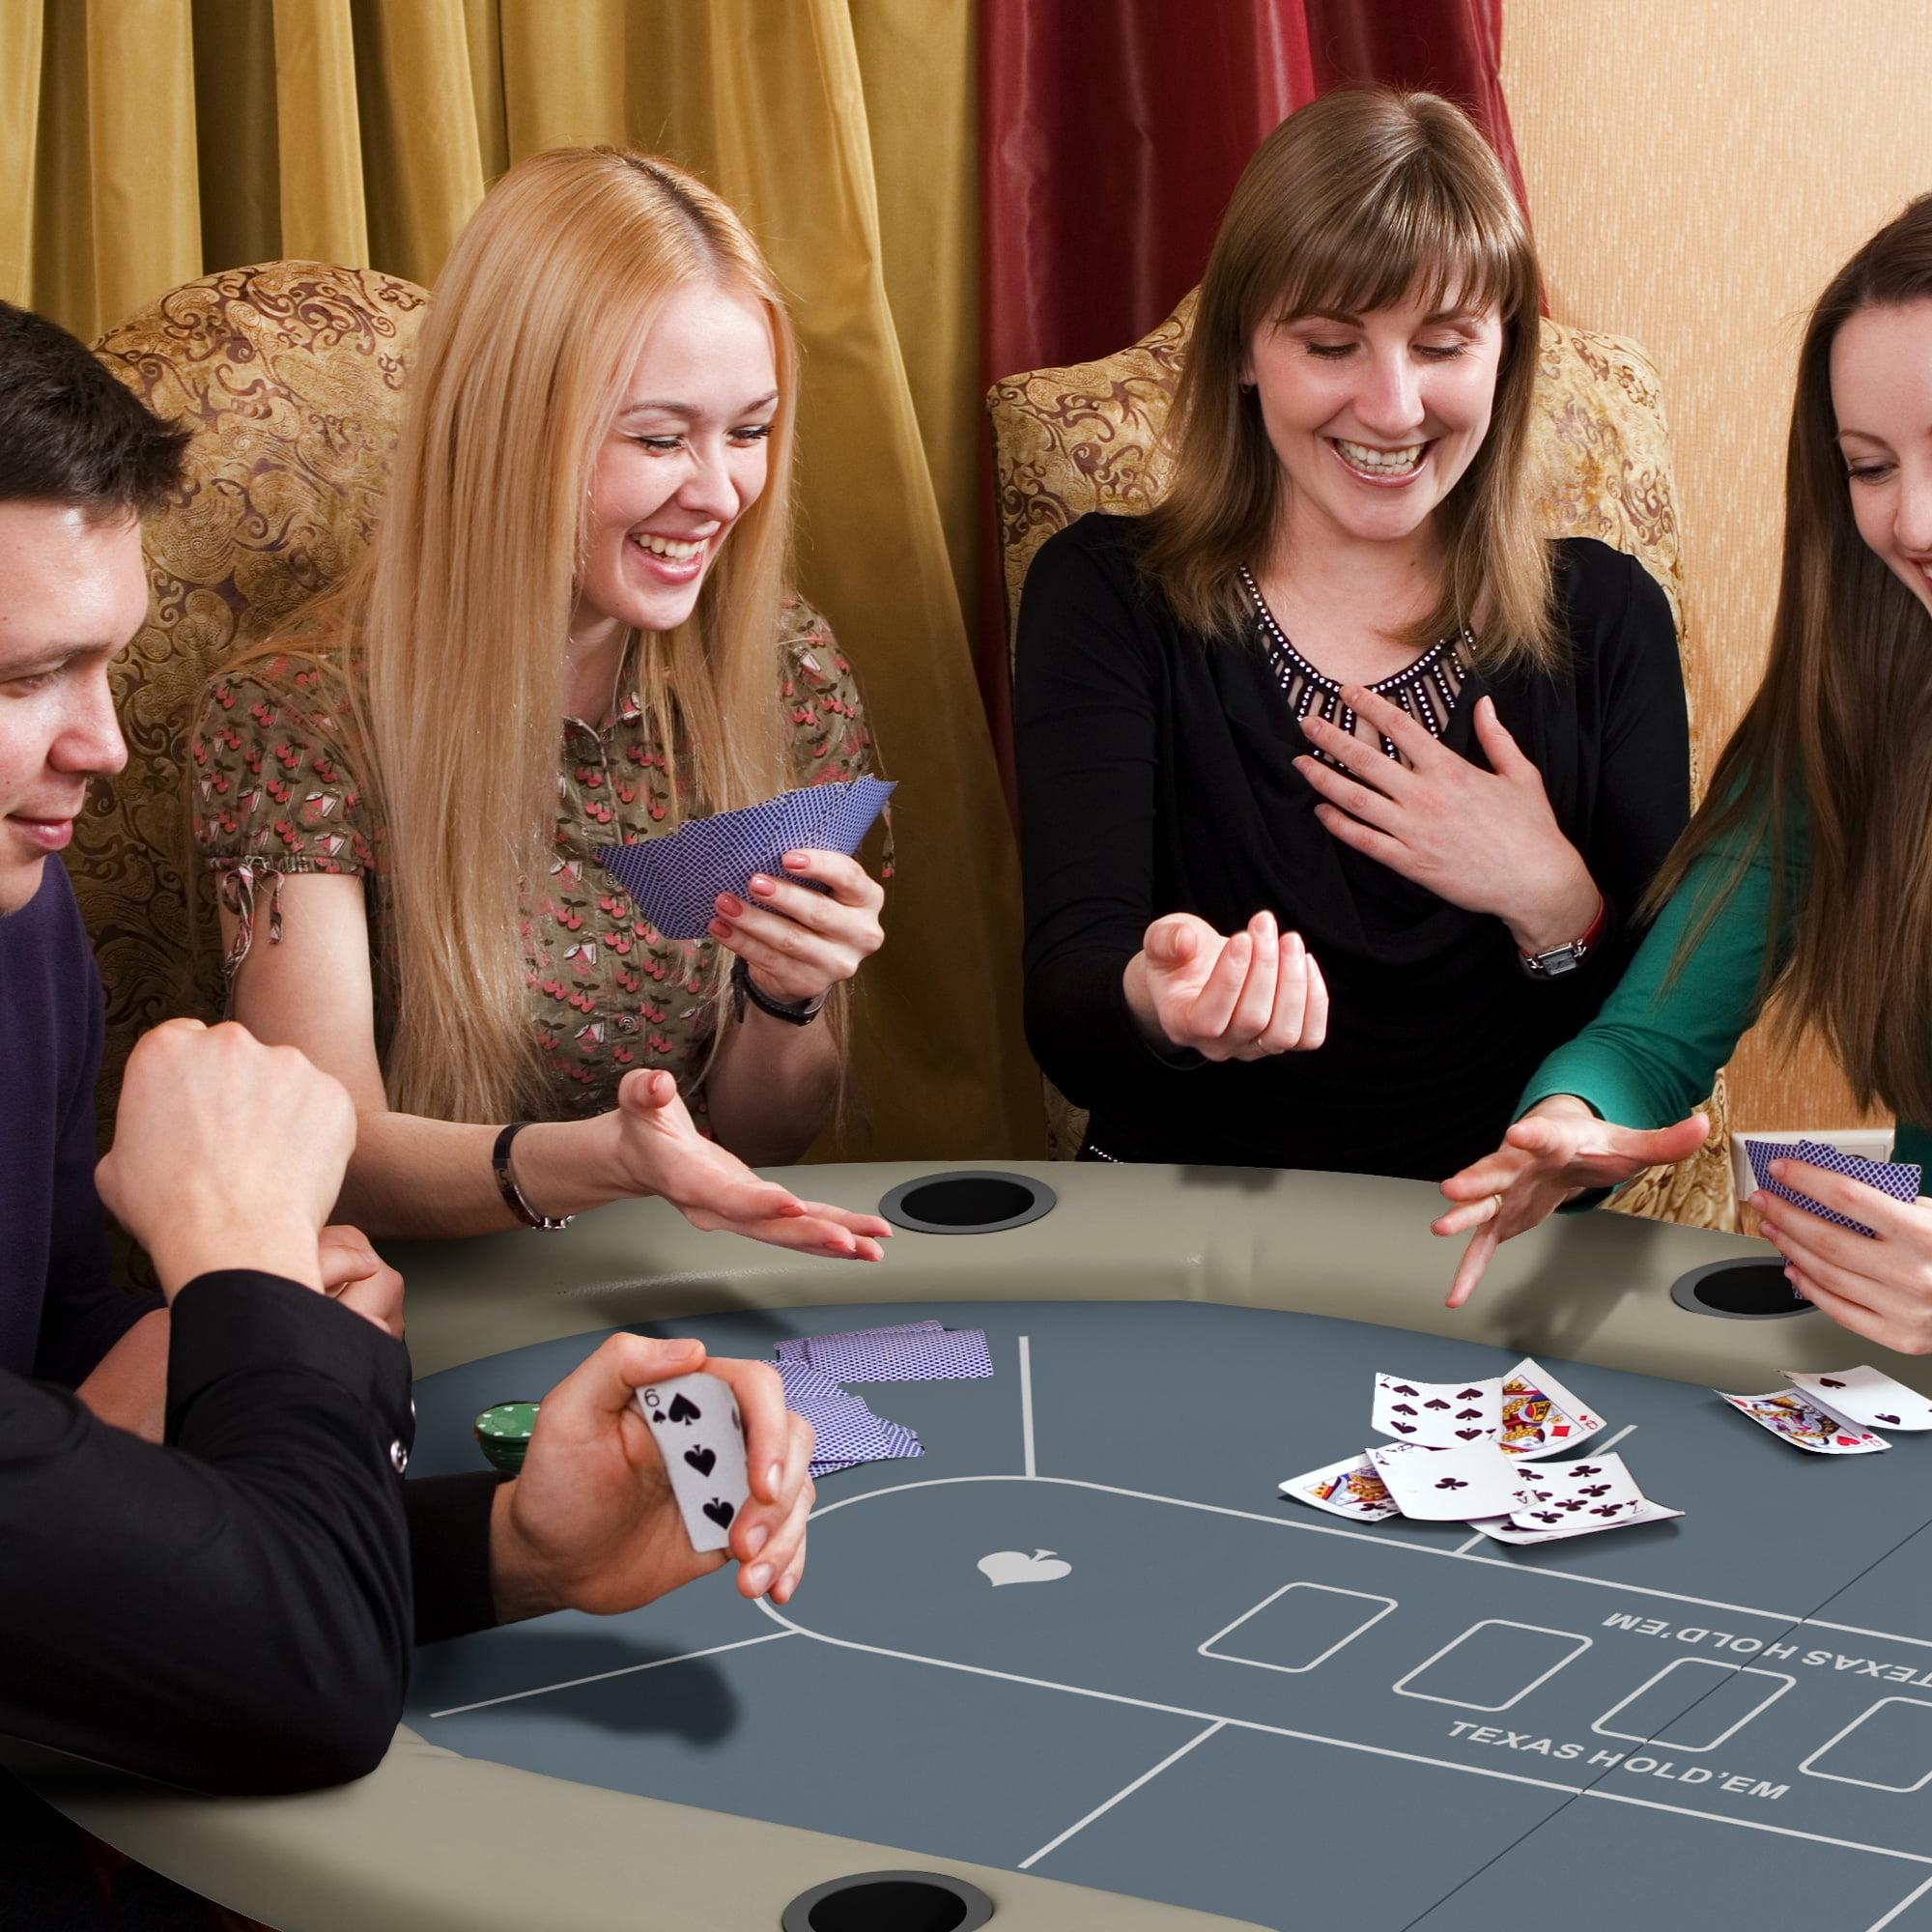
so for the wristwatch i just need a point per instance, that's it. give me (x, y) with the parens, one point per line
(794, 1012)
(1562, 959)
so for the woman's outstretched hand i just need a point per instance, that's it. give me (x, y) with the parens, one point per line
(1242, 997)
(662, 1152)
(1557, 1149)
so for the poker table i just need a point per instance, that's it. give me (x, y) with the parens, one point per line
(1198, 1704)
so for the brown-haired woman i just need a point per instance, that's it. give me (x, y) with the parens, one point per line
(1333, 772)
(1809, 869)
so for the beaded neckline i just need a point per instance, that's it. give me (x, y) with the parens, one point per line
(1426, 689)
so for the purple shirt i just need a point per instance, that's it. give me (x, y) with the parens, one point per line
(60, 1311)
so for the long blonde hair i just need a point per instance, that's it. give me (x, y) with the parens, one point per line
(458, 616)
(1835, 748)
(1358, 201)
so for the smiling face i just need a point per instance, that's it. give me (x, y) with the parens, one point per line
(1881, 396)
(1374, 419)
(683, 460)
(73, 591)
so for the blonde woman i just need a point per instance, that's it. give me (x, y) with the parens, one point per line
(571, 630)
(1339, 786)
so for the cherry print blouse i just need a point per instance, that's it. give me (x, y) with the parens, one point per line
(275, 790)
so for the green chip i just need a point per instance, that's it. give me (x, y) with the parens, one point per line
(503, 1434)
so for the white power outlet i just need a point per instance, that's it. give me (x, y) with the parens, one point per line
(1868, 1143)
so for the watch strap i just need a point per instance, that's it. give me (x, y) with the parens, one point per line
(794, 1013)
(513, 1195)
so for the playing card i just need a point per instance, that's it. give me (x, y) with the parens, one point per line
(1440, 1415)
(1805, 1425)
(675, 879)
(695, 1423)
(1592, 1492)
(846, 1432)
(1865, 1397)
(1448, 1484)
(1539, 1416)
(1900, 1179)
(1506, 1529)
(1350, 1487)
(926, 1353)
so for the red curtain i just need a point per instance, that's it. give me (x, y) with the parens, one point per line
(1111, 134)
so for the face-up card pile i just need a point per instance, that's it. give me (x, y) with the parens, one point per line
(1833, 1414)
(847, 1433)
(1475, 1452)
(696, 1424)
(676, 880)
(1576, 1498)
(1899, 1178)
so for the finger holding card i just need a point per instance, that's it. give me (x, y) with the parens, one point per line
(1880, 1286)
(796, 942)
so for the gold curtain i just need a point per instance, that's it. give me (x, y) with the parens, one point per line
(146, 142)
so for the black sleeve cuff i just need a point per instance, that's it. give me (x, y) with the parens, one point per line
(449, 1552)
(235, 1321)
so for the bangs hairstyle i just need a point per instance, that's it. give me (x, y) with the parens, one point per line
(451, 631)
(1361, 200)
(1835, 748)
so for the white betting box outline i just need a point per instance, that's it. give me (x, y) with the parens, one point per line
(1297, 1670)
(1602, 1726)
(1582, 1642)
(1864, 1783)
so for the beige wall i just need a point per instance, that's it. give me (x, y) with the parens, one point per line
(1697, 170)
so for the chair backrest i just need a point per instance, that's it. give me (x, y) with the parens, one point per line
(290, 376)
(1089, 438)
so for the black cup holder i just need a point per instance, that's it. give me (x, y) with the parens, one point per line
(971, 1202)
(889, 1901)
(1743, 1289)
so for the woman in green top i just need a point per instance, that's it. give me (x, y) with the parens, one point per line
(1809, 869)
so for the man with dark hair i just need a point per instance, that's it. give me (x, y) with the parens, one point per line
(232, 1607)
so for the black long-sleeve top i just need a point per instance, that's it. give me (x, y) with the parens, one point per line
(1156, 777)
(233, 1611)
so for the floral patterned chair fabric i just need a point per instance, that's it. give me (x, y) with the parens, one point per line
(1088, 438)
(290, 376)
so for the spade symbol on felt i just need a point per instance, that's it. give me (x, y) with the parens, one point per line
(1015, 1566)
(703, 1460)
(719, 1512)
(683, 1409)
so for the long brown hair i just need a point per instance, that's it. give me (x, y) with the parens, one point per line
(1835, 752)
(456, 619)
(1358, 201)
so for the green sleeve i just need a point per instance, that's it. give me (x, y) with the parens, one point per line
(1653, 1051)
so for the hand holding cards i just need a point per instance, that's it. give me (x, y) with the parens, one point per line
(676, 880)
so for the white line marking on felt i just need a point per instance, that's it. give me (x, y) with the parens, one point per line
(1026, 1401)
(599, 1677)
(1604, 1447)
(1581, 1642)
(1354, 1536)
(1208, 1649)
(1757, 1825)
(1911, 1898)
(1464, 1549)
(1125, 1791)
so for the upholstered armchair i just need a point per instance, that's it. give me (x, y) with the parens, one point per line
(1088, 438)
(290, 376)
